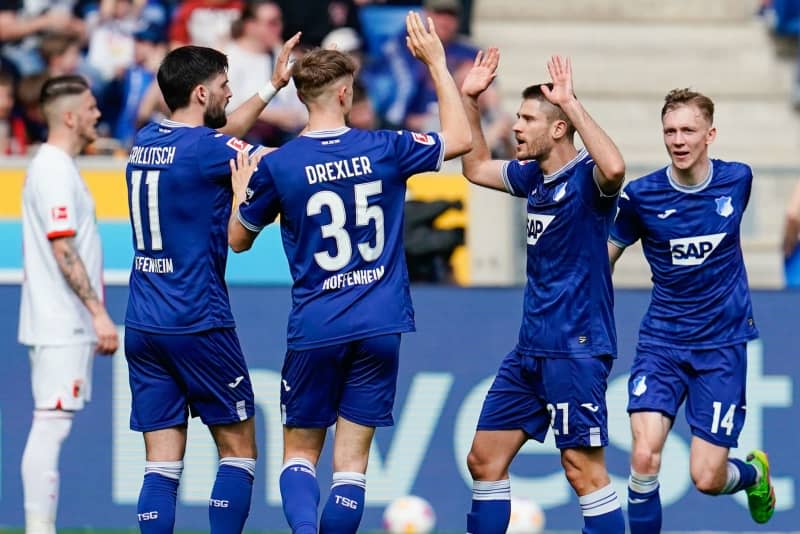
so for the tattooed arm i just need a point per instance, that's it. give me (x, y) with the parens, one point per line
(71, 266)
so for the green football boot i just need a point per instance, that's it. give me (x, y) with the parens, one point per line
(760, 496)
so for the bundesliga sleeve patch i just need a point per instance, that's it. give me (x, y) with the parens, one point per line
(238, 145)
(59, 214)
(423, 139)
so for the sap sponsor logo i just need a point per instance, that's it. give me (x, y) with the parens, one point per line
(147, 516)
(537, 224)
(347, 503)
(694, 250)
(218, 503)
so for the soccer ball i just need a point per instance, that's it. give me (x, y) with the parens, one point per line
(409, 515)
(526, 517)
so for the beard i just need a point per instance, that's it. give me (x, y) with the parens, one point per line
(214, 115)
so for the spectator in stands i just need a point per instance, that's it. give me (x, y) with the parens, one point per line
(129, 91)
(317, 18)
(251, 55)
(204, 23)
(414, 102)
(791, 239)
(61, 53)
(362, 113)
(21, 24)
(12, 128)
(35, 127)
(428, 249)
(111, 38)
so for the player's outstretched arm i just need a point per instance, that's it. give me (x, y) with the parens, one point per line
(426, 46)
(601, 148)
(239, 237)
(244, 117)
(478, 165)
(71, 266)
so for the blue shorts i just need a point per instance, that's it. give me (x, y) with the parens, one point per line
(712, 381)
(204, 372)
(356, 380)
(568, 394)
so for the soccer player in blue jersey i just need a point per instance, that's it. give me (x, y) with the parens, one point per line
(340, 193)
(693, 339)
(556, 375)
(182, 350)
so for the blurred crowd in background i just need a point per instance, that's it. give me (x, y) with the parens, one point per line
(119, 44)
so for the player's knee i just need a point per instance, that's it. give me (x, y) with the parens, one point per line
(584, 474)
(482, 467)
(644, 460)
(707, 481)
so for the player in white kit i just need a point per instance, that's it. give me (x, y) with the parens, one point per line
(62, 317)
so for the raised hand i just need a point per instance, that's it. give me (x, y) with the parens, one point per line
(282, 72)
(423, 43)
(241, 170)
(560, 70)
(483, 71)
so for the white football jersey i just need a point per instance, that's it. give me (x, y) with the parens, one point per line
(56, 203)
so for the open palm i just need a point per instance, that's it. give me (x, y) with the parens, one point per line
(560, 70)
(483, 71)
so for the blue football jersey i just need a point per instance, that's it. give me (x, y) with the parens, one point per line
(340, 195)
(691, 239)
(568, 306)
(180, 200)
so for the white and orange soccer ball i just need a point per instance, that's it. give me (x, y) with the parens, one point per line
(409, 515)
(526, 517)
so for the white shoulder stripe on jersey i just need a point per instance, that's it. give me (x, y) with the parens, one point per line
(506, 181)
(327, 133)
(691, 188)
(574, 161)
(173, 124)
(440, 160)
(249, 226)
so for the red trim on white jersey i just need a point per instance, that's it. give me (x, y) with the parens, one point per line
(61, 233)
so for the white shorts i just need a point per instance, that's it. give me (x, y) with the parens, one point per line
(61, 376)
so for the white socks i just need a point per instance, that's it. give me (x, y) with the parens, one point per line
(40, 469)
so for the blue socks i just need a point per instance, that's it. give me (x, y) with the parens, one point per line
(741, 475)
(601, 512)
(229, 504)
(345, 506)
(156, 508)
(491, 507)
(644, 504)
(300, 495)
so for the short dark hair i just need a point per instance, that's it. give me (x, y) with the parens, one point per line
(318, 68)
(534, 92)
(61, 86)
(185, 68)
(685, 97)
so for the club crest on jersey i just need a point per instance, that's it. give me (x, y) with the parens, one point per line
(238, 145)
(639, 385)
(537, 224)
(694, 250)
(724, 206)
(561, 190)
(421, 138)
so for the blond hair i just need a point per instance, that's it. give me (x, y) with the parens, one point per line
(686, 97)
(319, 68)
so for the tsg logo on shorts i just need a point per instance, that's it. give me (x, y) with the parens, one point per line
(693, 250)
(537, 224)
